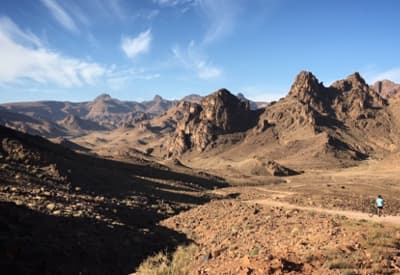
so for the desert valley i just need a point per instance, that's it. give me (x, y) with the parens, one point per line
(214, 184)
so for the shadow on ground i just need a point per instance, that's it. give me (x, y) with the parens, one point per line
(36, 243)
(111, 237)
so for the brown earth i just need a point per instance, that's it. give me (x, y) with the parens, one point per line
(67, 213)
(315, 223)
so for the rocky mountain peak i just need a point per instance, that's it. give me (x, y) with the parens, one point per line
(354, 98)
(218, 113)
(157, 98)
(225, 110)
(241, 96)
(356, 78)
(221, 96)
(103, 97)
(304, 85)
(353, 81)
(308, 90)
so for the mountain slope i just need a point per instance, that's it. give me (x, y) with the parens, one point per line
(28, 124)
(63, 212)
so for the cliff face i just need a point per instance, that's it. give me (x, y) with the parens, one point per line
(354, 98)
(218, 114)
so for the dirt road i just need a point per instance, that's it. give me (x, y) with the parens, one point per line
(348, 213)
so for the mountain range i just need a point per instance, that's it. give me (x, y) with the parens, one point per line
(54, 118)
(345, 122)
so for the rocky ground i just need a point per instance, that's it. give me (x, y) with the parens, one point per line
(234, 237)
(65, 213)
(68, 213)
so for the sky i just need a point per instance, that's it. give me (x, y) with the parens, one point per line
(72, 50)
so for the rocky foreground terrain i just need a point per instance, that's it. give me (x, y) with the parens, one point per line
(235, 237)
(65, 213)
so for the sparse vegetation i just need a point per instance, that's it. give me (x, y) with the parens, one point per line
(339, 264)
(163, 263)
(254, 251)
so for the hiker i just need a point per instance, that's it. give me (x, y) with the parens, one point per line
(379, 205)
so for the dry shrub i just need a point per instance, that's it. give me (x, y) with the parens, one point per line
(179, 263)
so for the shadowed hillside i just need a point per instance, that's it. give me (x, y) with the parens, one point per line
(63, 212)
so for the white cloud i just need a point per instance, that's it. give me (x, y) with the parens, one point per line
(137, 45)
(392, 74)
(192, 59)
(60, 15)
(39, 64)
(23, 37)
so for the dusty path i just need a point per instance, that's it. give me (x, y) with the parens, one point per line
(348, 213)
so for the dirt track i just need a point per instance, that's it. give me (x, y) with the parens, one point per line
(347, 213)
(350, 214)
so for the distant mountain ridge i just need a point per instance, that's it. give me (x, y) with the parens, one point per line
(103, 113)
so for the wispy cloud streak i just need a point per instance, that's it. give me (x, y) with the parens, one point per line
(221, 18)
(21, 61)
(60, 15)
(192, 59)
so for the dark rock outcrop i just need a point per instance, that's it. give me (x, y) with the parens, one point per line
(218, 114)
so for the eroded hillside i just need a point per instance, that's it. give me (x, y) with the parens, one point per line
(63, 212)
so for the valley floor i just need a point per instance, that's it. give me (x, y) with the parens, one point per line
(315, 223)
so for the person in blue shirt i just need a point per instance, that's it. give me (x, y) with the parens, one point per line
(379, 205)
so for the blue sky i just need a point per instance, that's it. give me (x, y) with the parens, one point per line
(74, 50)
